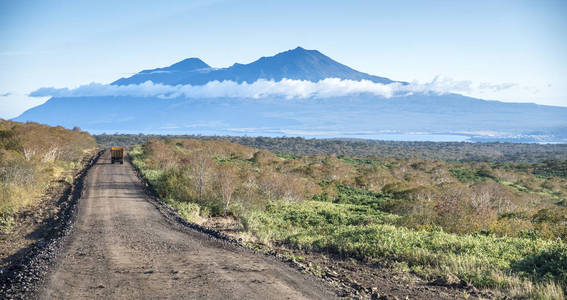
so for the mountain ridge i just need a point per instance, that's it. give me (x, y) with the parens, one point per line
(298, 64)
(188, 64)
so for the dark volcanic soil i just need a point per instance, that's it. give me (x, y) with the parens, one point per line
(27, 250)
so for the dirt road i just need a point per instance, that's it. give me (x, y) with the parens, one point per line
(123, 247)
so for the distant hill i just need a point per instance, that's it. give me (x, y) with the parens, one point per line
(356, 115)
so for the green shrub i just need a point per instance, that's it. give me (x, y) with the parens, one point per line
(188, 210)
(465, 174)
(490, 233)
(545, 265)
(353, 231)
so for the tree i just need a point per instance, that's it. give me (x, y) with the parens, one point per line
(227, 182)
(201, 165)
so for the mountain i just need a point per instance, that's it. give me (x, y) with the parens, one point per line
(299, 63)
(363, 115)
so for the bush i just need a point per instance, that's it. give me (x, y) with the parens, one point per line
(441, 219)
(32, 155)
(352, 230)
(545, 265)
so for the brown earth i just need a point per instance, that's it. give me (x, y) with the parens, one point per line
(123, 247)
(33, 224)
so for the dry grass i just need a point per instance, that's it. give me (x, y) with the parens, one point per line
(31, 156)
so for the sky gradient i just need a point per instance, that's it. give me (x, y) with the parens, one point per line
(518, 45)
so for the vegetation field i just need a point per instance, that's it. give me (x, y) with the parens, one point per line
(32, 156)
(495, 225)
(446, 151)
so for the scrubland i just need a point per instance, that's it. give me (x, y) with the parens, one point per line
(495, 225)
(33, 156)
(445, 151)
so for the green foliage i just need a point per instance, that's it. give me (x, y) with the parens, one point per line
(551, 168)
(350, 195)
(9, 141)
(485, 224)
(359, 161)
(180, 184)
(188, 210)
(353, 230)
(548, 264)
(278, 216)
(515, 185)
(469, 175)
(231, 159)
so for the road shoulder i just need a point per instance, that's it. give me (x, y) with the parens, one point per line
(29, 250)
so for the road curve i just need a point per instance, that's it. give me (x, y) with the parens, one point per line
(123, 247)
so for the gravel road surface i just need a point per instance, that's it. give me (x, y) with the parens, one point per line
(123, 247)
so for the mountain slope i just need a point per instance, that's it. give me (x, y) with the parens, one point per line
(299, 63)
(360, 115)
(342, 116)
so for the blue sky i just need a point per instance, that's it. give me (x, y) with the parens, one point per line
(518, 44)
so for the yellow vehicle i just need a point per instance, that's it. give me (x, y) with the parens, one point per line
(117, 154)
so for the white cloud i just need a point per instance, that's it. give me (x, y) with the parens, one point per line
(496, 87)
(14, 104)
(286, 88)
